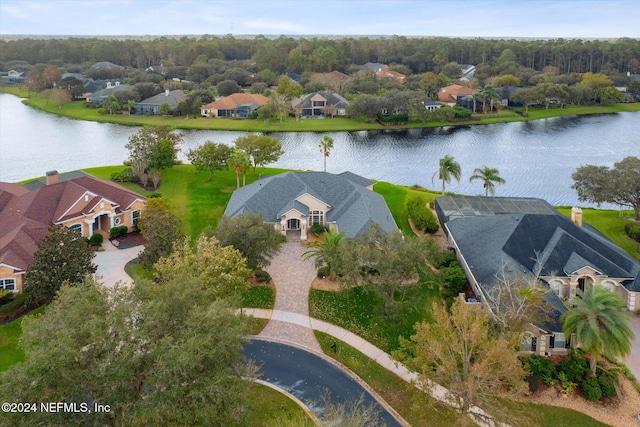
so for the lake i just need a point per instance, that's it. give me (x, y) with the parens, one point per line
(535, 158)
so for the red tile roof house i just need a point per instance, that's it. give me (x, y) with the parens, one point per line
(75, 200)
(449, 94)
(235, 105)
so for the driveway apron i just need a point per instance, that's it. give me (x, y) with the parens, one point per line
(292, 277)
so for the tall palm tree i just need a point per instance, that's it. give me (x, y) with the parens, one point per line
(448, 168)
(240, 162)
(488, 176)
(487, 92)
(598, 320)
(325, 148)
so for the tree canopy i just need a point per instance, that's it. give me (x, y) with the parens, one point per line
(62, 257)
(210, 156)
(153, 148)
(162, 230)
(620, 184)
(261, 149)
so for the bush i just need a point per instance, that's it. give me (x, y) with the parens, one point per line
(448, 258)
(422, 217)
(96, 239)
(541, 366)
(324, 271)
(125, 175)
(154, 195)
(318, 229)
(461, 112)
(591, 389)
(632, 229)
(262, 276)
(118, 231)
(5, 296)
(575, 368)
(454, 280)
(606, 382)
(14, 308)
(534, 381)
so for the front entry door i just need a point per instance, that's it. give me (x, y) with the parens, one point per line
(293, 224)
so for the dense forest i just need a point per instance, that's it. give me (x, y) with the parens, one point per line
(288, 54)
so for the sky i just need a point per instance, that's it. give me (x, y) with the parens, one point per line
(447, 18)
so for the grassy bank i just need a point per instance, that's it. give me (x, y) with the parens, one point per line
(77, 110)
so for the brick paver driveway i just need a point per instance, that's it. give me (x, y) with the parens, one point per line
(292, 277)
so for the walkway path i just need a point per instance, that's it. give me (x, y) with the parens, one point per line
(633, 360)
(292, 277)
(111, 263)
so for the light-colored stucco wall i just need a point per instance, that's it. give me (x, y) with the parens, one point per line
(10, 273)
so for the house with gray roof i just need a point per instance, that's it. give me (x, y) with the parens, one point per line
(320, 104)
(294, 201)
(96, 98)
(151, 106)
(528, 236)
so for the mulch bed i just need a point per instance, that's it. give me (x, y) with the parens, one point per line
(129, 240)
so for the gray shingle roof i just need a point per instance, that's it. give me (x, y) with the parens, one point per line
(352, 206)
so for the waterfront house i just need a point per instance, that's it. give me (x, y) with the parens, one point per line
(321, 104)
(151, 106)
(238, 105)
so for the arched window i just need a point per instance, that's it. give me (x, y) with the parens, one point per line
(77, 228)
(608, 285)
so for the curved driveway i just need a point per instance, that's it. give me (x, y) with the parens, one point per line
(308, 376)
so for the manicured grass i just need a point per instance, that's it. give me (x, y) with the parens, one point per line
(77, 110)
(360, 311)
(419, 410)
(265, 406)
(259, 297)
(10, 333)
(414, 406)
(396, 198)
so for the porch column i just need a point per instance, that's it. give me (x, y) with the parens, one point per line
(303, 230)
(111, 219)
(89, 227)
(283, 226)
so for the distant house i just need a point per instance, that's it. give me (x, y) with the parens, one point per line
(381, 73)
(76, 200)
(321, 104)
(13, 77)
(448, 95)
(374, 66)
(96, 98)
(528, 236)
(151, 106)
(236, 105)
(432, 105)
(294, 201)
(467, 71)
(342, 76)
(106, 65)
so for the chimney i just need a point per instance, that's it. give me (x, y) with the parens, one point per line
(166, 92)
(51, 177)
(576, 216)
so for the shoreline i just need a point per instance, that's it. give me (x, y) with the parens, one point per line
(76, 110)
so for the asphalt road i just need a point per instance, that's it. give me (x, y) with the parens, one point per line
(308, 377)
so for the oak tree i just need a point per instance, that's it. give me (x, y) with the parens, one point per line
(210, 156)
(261, 149)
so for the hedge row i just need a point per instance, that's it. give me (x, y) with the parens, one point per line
(118, 231)
(633, 230)
(422, 217)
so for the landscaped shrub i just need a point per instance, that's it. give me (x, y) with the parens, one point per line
(318, 229)
(262, 276)
(447, 259)
(453, 281)
(461, 112)
(5, 296)
(632, 229)
(154, 195)
(591, 389)
(422, 217)
(116, 232)
(96, 239)
(324, 271)
(534, 382)
(575, 368)
(541, 366)
(14, 308)
(606, 382)
(125, 175)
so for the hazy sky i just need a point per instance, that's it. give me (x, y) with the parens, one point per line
(470, 18)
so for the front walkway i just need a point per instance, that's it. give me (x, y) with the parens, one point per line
(292, 277)
(633, 360)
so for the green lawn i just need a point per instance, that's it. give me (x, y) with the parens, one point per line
(77, 110)
(419, 410)
(396, 198)
(10, 333)
(267, 407)
(360, 311)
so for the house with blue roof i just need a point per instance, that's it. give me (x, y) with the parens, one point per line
(529, 237)
(294, 201)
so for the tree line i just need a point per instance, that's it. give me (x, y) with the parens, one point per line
(301, 54)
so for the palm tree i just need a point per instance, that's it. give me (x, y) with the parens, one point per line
(489, 176)
(448, 168)
(326, 252)
(240, 161)
(131, 104)
(600, 324)
(325, 148)
(487, 92)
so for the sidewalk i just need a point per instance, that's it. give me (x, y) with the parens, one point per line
(437, 391)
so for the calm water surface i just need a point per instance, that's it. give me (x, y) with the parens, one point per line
(535, 158)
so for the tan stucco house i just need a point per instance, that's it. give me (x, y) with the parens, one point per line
(294, 201)
(75, 200)
(238, 105)
(529, 236)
